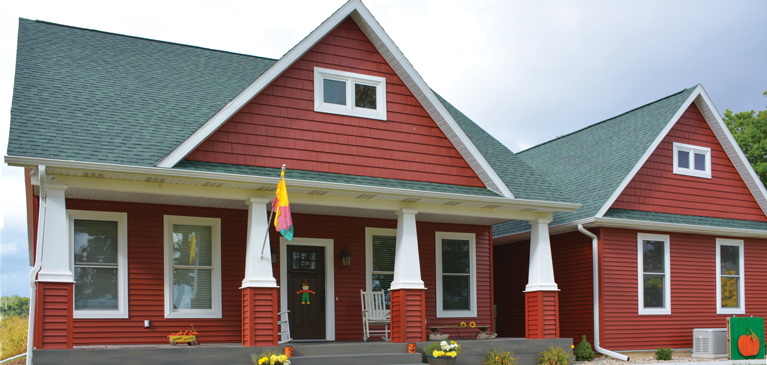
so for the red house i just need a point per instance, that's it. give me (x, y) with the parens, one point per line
(152, 166)
(670, 236)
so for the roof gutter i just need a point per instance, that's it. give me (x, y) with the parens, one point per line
(167, 172)
(595, 264)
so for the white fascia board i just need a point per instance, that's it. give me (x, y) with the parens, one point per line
(731, 147)
(272, 181)
(223, 115)
(396, 60)
(553, 230)
(401, 65)
(678, 227)
(649, 151)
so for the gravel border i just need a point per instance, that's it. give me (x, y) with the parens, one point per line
(604, 360)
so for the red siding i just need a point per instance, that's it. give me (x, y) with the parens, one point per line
(408, 311)
(53, 326)
(571, 255)
(656, 188)
(280, 126)
(146, 273)
(542, 314)
(693, 290)
(259, 316)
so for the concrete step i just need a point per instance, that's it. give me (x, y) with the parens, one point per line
(358, 359)
(346, 348)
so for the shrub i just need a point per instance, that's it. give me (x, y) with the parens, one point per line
(496, 357)
(13, 336)
(663, 354)
(554, 356)
(584, 352)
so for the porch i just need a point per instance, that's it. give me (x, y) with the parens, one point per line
(304, 353)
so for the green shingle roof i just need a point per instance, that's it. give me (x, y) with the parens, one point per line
(684, 219)
(588, 165)
(92, 96)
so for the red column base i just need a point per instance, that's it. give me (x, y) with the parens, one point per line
(53, 315)
(542, 314)
(408, 315)
(259, 316)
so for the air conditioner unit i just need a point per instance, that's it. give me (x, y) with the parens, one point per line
(709, 343)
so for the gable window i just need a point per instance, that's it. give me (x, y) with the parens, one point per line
(692, 160)
(192, 267)
(730, 285)
(380, 249)
(99, 242)
(456, 274)
(654, 274)
(347, 93)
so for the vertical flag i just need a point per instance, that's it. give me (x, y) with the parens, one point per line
(283, 222)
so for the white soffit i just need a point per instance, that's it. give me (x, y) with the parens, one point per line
(396, 60)
(648, 152)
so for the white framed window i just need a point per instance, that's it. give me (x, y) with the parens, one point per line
(192, 267)
(654, 273)
(730, 277)
(380, 249)
(456, 269)
(692, 160)
(347, 93)
(99, 243)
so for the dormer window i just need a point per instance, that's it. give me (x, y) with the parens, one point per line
(347, 93)
(692, 160)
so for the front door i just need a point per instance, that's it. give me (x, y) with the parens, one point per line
(306, 292)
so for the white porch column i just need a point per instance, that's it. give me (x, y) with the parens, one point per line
(541, 274)
(57, 255)
(258, 271)
(407, 266)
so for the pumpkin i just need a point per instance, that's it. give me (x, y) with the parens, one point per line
(748, 344)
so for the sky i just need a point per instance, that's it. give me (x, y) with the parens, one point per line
(525, 71)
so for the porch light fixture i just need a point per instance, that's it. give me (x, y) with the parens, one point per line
(274, 254)
(346, 257)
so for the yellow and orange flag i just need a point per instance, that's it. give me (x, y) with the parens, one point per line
(283, 222)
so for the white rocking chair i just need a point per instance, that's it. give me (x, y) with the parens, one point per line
(374, 313)
(284, 324)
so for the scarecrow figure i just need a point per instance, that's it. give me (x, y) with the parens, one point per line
(305, 293)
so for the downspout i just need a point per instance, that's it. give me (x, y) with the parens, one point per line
(595, 258)
(42, 176)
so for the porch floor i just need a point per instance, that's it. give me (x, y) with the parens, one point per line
(304, 353)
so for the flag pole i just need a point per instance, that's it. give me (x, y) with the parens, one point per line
(268, 224)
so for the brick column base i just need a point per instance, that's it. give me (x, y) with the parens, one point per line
(53, 315)
(259, 316)
(408, 315)
(542, 314)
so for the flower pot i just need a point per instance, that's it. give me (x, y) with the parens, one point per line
(442, 361)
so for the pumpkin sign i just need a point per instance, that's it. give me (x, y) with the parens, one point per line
(748, 344)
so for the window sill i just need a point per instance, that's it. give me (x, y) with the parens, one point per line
(654, 312)
(193, 314)
(456, 314)
(96, 314)
(730, 311)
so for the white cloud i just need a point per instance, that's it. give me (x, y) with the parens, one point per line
(9, 248)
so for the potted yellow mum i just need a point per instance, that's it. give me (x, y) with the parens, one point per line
(269, 358)
(442, 353)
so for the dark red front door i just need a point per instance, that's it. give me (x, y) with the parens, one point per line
(306, 267)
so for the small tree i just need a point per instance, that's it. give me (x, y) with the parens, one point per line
(750, 131)
(14, 305)
(584, 352)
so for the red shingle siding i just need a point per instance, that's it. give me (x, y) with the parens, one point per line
(280, 126)
(571, 255)
(542, 314)
(53, 329)
(259, 316)
(693, 290)
(655, 188)
(146, 273)
(407, 315)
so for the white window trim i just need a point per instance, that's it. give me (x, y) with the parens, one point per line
(215, 279)
(742, 282)
(369, 233)
(122, 261)
(350, 79)
(692, 150)
(472, 312)
(667, 275)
